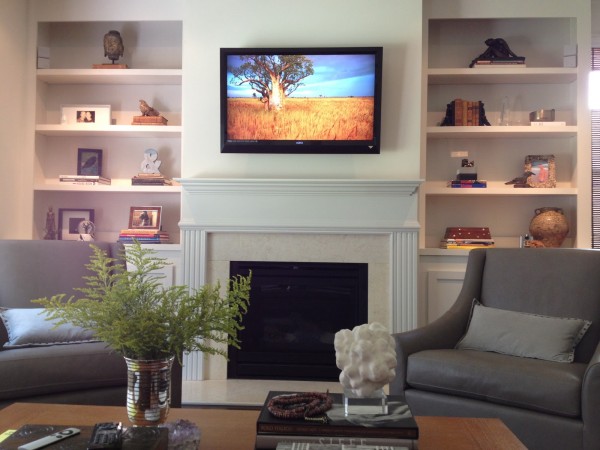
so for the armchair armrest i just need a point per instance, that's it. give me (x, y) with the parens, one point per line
(447, 330)
(590, 403)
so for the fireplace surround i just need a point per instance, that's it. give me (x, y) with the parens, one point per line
(364, 221)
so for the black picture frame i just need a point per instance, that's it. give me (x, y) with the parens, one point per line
(89, 161)
(69, 220)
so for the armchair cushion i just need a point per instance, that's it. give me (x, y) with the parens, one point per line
(526, 383)
(523, 334)
(28, 327)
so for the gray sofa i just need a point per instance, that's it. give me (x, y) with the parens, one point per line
(76, 373)
(514, 375)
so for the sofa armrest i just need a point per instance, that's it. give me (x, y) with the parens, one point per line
(590, 406)
(446, 331)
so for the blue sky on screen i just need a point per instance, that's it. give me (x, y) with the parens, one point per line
(335, 76)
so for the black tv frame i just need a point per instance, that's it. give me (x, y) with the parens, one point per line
(303, 146)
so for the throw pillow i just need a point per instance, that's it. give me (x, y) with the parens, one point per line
(523, 334)
(28, 327)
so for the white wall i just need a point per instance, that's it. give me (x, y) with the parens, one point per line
(394, 24)
(15, 184)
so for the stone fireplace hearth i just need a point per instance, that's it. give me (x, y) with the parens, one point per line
(365, 221)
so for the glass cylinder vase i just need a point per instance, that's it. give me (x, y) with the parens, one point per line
(148, 390)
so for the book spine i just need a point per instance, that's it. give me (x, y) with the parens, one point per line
(458, 112)
(137, 231)
(470, 113)
(337, 431)
(271, 441)
(85, 183)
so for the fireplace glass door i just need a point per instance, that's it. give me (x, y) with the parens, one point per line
(295, 310)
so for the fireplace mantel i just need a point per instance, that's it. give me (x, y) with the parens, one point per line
(333, 220)
(301, 203)
(307, 206)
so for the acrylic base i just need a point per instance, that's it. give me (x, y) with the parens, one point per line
(374, 404)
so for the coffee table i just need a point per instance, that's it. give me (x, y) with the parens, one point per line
(232, 429)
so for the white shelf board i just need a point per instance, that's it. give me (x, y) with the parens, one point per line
(526, 131)
(110, 76)
(502, 75)
(113, 188)
(494, 188)
(157, 131)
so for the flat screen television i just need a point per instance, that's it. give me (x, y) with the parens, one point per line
(301, 100)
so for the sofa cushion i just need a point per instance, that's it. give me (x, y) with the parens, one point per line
(29, 327)
(33, 371)
(528, 383)
(523, 334)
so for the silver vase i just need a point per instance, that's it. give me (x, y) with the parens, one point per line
(148, 390)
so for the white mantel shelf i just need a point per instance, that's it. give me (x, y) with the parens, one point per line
(301, 185)
(299, 203)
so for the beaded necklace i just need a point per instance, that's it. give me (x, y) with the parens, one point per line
(307, 405)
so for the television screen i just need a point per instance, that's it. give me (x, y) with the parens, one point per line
(293, 100)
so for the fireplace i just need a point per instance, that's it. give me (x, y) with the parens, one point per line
(295, 310)
(346, 221)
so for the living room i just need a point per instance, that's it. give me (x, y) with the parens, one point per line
(312, 199)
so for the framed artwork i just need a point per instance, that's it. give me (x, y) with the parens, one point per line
(72, 223)
(85, 114)
(145, 217)
(543, 171)
(89, 161)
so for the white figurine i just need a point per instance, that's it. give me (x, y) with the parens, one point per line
(367, 358)
(150, 164)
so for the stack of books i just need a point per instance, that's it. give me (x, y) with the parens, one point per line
(516, 61)
(127, 236)
(274, 433)
(150, 179)
(304, 446)
(466, 112)
(84, 179)
(149, 120)
(467, 183)
(467, 238)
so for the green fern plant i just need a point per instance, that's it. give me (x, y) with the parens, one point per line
(139, 318)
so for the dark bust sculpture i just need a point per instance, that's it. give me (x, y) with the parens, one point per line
(498, 49)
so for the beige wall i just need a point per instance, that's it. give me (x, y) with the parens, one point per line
(394, 24)
(15, 179)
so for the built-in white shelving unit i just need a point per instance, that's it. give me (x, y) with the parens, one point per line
(451, 40)
(154, 58)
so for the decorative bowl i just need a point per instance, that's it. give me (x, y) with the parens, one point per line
(542, 115)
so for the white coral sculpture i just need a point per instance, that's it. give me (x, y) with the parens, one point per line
(367, 358)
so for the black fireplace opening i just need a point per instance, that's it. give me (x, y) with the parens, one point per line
(295, 310)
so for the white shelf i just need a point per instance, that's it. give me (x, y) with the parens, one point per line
(112, 188)
(502, 75)
(111, 76)
(157, 131)
(494, 188)
(527, 131)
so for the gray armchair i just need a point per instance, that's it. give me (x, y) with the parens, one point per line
(547, 404)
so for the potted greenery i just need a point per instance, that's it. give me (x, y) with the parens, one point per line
(150, 325)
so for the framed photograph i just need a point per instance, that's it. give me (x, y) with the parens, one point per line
(70, 221)
(89, 161)
(543, 171)
(85, 114)
(145, 217)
